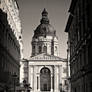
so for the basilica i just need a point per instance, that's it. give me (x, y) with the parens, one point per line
(47, 72)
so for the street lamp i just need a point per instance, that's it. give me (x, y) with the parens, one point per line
(26, 86)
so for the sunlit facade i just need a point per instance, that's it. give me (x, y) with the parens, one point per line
(47, 72)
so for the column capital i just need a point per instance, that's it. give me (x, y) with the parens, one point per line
(38, 74)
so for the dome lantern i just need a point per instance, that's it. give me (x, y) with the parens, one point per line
(45, 28)
(44, 13)
(44, 19)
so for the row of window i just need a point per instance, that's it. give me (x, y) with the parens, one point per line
(85, 87)
(80, 61)
(42, 49)
(78, 26)
(13, 43)
(7, 40)
(7, 64)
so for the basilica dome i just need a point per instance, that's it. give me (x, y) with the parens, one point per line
(44, 28)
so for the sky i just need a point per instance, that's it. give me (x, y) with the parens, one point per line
(30, 15)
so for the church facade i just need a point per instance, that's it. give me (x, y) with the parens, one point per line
(47, 72)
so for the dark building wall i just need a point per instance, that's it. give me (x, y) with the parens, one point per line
(79, 28)
(9, 53)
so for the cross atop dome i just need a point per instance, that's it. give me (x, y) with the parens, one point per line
(44, 19)
(44, 13)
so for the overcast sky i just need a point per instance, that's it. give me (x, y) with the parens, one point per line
(30, 15)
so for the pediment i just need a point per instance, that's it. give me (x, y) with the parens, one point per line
(47, 57)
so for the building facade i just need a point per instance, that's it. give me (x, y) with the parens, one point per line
(47, 72)
(10, 44)
(79, 28)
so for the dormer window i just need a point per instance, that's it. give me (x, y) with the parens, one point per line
(33, 47)
(40, 49)
(55, 48)
(45, 49)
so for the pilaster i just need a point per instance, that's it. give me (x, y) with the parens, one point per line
(39, 82)
(51, 83)
(35, 78)
(31, 77)
(56, 80)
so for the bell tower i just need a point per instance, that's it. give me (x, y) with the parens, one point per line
(44, 39)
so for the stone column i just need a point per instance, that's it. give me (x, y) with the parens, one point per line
(51, 83)
(60, 74)
(36, 48)
(30, 77)
(56, 83)
(35, 79)
(39, 82)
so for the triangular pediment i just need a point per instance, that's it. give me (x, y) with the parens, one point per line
(45, 56)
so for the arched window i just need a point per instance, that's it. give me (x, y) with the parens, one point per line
(45, 79)
(40, 49)
(33, 47)
(45, 49)
(33, 50)
(55, 48)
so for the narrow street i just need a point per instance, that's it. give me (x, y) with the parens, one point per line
(45, 46)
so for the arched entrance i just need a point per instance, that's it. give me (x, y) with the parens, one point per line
(45, 79)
